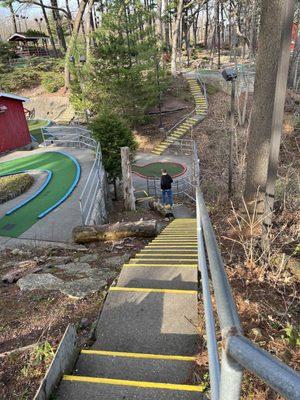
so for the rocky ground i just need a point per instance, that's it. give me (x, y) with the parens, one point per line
(42, 290)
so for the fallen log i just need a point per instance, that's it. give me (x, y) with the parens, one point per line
(160, 208)
(120, 230)
(23, 268)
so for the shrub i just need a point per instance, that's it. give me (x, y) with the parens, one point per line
(52, 81)
(19, 78)
(13, 185)
(29, 76)
(112, 133)
(211, 89)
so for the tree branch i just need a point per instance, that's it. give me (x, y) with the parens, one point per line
(67, 15)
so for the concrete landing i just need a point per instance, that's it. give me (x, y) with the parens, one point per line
(147, 322)
(182, 211)
(150, 277)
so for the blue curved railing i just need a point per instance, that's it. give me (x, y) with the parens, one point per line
(34, 195)
(74, 184)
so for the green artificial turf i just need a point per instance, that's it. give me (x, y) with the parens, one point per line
(35, 126)
(64, 171)
(154, 169)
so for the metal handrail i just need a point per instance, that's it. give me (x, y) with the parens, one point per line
(237, 351)
(80, 137)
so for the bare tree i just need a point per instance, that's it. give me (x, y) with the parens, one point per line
(58, 25)
(258, 147)
(280, 94)
(77, 23)
(48, 28)
(175, 38)
(13, 16)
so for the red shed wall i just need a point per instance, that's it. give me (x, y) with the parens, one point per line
(14, 131)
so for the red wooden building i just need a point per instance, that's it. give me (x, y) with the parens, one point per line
(14, 132)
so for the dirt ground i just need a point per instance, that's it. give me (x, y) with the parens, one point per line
(41, 317)
(265, 289)
(176, 97)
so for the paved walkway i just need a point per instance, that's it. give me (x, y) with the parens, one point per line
(139, 182)
(58, 225)
(146, 337)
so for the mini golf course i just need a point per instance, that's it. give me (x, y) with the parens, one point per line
(154, 169)
(63, 173)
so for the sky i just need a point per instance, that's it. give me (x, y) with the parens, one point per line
(31, 12)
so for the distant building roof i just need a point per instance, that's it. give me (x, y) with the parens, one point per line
(27, 36)
(13, 96)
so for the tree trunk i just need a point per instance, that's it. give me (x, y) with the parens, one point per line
(58, 25)
(81, 23)
(166, 27)
(253, 30)
(88, 29)
(206, 24)
(72, 41)
(120, 230)
(280, 93)
(294, 65)
(128, 192)
(258, 146)
(158, 22)
(175, 38)
(13, 16)
(217, 34)
(48, 28)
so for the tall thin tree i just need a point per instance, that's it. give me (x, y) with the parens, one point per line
(260, 127)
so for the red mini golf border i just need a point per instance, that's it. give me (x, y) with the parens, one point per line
(184, 169)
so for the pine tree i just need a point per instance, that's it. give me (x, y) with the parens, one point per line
(124, 65)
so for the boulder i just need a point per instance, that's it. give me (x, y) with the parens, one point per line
(40, 281)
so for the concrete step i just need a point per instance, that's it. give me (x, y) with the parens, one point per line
(162, 262)
(165, 256)
(160, 277)
(135, 366)
(149, 322)
(79, 390)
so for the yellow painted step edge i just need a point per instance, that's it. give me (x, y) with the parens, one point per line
(138, 355)
(160, 265)
(142, 384)
(150, 290)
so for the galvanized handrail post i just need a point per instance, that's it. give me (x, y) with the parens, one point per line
(231, 371)
(214, 364)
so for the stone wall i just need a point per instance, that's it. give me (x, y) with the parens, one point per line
(102, 204)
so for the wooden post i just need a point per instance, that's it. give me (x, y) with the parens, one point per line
(129, 199)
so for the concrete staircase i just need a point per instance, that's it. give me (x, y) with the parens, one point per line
(146, 337)
(66, 116)
(185, 127)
